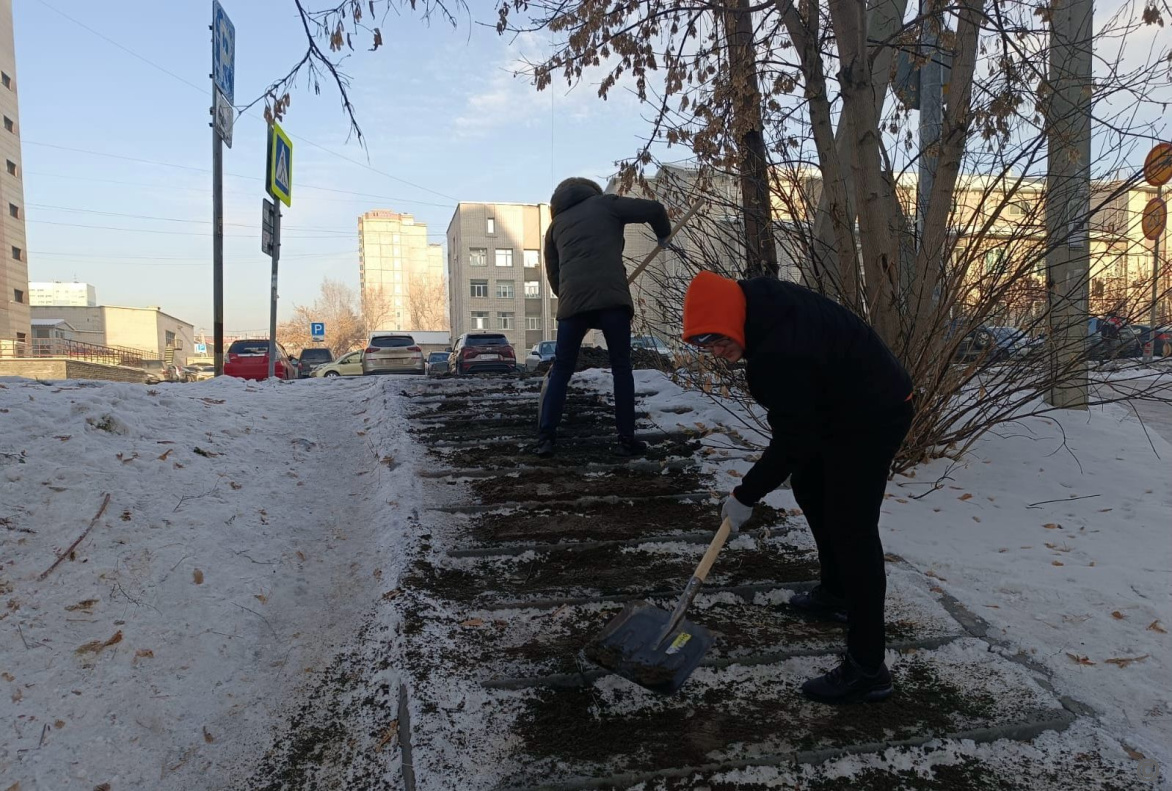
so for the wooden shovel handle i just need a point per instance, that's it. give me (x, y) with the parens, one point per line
(659, 248)
(713, 550)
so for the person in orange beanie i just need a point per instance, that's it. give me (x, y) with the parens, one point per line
(839, 405)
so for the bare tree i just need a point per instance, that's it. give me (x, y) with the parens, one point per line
(337, 307)
(427, 299)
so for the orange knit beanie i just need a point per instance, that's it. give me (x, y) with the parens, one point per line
(714, 304)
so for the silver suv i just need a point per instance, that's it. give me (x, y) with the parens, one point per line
(392, 353)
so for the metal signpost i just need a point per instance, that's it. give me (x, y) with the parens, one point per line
(279, 184)
(1157, 171)
(223, 89)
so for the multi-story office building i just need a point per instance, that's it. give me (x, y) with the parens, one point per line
(79, 295)
(15, 329)
(496, 272)
(400, 273)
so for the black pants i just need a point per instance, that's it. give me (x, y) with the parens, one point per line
(840, 491)
(615, 324)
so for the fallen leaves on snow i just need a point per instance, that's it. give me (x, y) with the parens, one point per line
(965, 496)
(165, 454)
(389, 736)
(1057, 563)
(1052, 526)
(1155, 626)
(97, 646)
(1082, 660)
(471, 622)
(197, 577)
(1118, 615)
(86, 605)
(1125, 661)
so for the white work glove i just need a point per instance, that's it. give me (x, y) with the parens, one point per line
(736, 512)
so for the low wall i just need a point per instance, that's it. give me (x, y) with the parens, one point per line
(60, 368)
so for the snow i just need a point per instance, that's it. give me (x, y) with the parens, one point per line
(222, 581)
(247, 532)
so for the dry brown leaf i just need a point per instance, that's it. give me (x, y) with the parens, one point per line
(301, 556)
(197, 577)
(1082, 660)
(17, 695)
(391, 594)
(1124, 661)
(965, 496)
(144, 653)
(976, 519)
(389, 736)
(1052, 526)
(1135, 754)
(934, 575)
(7, 676)
(734, 474)
(59, 724)
(1118, 615)
(936, 589)
(1057, 563)
(102, 787)
(900, 500)
(260, 597)
(207, 737)
(1155, 626)
(96, 646)
(472, 622)
(163, 456)
(84, 604)
(234, 485)
(15, 786)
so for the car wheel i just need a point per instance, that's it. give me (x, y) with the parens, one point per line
(328, 374)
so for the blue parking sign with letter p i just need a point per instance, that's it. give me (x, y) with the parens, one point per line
(317, 329)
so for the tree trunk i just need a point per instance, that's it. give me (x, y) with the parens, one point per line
(760, 247)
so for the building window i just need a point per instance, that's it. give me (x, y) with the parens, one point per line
(504, 257)
(504, 289)
(22, 337)
(1016, 210)
(490, 226)
(477, 256)
(532, 289)
(169, 339)
(532, 258)
(5, 80)
(14, 210)
(16, 253)
(480, 288)
(1097, 288)
(479, 320)
(533, 322)
(11, 168)
(17, 295)
(8, 125)
(505, 320)
(995, 262)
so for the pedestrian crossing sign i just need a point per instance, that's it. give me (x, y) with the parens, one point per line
(279, 175)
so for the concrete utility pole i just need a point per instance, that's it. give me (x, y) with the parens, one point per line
(1068, 200)
(218, 251)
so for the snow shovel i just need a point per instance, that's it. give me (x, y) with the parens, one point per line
(630, 279)
(656, 649)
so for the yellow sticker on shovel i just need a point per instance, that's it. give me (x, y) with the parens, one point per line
(678, 643)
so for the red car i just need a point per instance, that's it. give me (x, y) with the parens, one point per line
(250, 360)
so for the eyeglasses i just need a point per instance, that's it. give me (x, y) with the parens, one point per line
(705, 339)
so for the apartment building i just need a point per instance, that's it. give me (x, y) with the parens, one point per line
(401, 274)
(15, 327)
(79, 295)
(496, 272)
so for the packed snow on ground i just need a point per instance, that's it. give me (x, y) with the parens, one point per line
(249, 527)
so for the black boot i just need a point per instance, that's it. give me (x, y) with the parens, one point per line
(629, 446)
(545, 446)
(819, 604)
(849, 683)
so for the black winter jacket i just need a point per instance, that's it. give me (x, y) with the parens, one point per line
(822, 374)
(584, 247)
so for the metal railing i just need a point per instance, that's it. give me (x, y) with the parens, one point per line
(73, 350)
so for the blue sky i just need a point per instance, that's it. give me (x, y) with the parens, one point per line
(112, 142)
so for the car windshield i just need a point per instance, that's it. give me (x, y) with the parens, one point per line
(391, 341)
(249, 348)
(1006, 334)
(316, 355)
(548, 347)
(487, 340)
(437, 357)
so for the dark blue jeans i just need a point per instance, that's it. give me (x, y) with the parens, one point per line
(615, 324)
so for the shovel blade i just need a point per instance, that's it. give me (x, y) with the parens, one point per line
(629, 646)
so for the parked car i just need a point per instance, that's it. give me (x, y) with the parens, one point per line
(1163, 340)
(541, 353)
(651, 343)
(437, 363)
(312, 358)
(156, 371)
(349, 364)
(982, 343)
(392, 353)
(250, 360)
(201, 372)
(1105, 343)
(482, 352)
